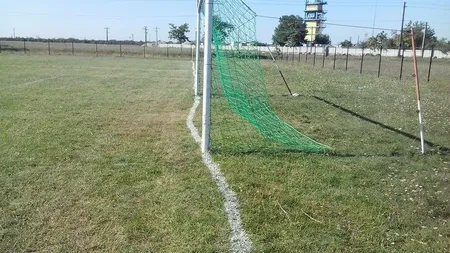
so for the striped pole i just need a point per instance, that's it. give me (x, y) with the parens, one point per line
(416, 78)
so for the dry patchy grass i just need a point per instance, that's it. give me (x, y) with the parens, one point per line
(95, 156)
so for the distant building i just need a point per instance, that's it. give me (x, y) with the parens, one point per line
(314, 18)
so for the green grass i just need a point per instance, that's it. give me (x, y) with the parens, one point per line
(386, 100)
(375, 193)
(99, 159)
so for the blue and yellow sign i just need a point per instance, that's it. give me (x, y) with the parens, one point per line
(314, 18)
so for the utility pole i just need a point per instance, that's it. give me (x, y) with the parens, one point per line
(424, 37)
(374, 18)
(146, 32)
(107, 34)
(156, 30)
(132, 36)
(400, 44)
(14, 32)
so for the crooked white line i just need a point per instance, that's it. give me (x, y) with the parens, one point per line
(24, 85)
(37, 81)
(240, 243)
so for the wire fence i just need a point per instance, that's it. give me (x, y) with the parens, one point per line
(85, 49)
(359, 60)
(365, 61)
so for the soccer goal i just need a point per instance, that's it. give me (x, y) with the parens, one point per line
(237, 114)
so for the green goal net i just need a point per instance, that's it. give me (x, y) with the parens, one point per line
(242, 117)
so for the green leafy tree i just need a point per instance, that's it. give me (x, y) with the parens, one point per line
(419, 28)
(178, 33)
(442, 45)
(378, 41)
(222, 28)
(389, 43)
(257, 44)
(322, 39)
(291, 31)
(346, 43)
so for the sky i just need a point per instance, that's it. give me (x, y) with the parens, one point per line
(88, 18)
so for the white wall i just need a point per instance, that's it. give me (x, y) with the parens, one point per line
(320, 50)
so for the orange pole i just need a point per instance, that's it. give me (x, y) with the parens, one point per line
(416, 78)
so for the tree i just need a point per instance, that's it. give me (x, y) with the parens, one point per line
(322, 39)
(179, 32)
(419, 28)
(376, 42)
(291, 31)
(256, 44)
(222, 28)
(381, 40)
(346, 43)
(442, 45)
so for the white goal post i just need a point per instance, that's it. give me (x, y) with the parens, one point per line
(197, 47)
(207, 68)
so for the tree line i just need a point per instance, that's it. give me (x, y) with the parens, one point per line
(291, 31)
(386, 41)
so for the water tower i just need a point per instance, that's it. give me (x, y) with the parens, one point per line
(314, 18)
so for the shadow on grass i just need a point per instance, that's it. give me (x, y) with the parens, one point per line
(284, 151)
(441, 149)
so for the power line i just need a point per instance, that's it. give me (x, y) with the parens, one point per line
(343, 25)
(362, 27)
(96, 15)
(430, 8)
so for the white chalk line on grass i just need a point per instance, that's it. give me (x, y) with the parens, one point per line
(238, 238)
(38, 81)
(24, 85)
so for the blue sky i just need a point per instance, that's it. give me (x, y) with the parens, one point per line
(88, 18)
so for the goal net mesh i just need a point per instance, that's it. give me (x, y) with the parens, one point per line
(242, 117)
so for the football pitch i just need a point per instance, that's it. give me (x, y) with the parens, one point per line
(95, 156)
